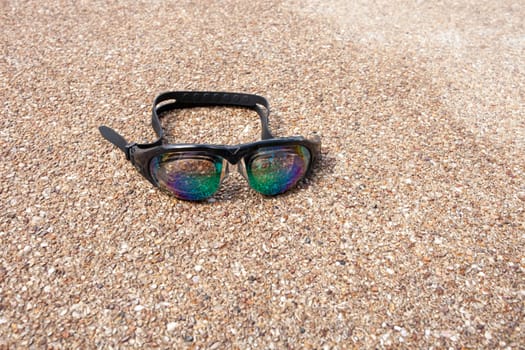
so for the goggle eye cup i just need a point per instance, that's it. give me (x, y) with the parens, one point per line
(276, 169)
(190, 176)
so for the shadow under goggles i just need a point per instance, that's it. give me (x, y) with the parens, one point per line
(195, 171)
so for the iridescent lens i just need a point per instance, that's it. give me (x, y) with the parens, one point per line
(274, 170)
(188, 175)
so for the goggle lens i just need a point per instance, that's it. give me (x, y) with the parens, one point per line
(276, 169)
(189, 175)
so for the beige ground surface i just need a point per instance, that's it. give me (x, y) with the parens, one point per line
(410, 234)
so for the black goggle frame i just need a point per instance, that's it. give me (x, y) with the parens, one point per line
(141, 155)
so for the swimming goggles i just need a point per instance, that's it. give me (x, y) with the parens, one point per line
(195, 171)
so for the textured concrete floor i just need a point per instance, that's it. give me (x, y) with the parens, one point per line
(410, 234)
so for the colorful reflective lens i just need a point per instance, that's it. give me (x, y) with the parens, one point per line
(189, 175)
(274, 170)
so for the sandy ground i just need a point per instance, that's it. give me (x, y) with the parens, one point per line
(409, 234)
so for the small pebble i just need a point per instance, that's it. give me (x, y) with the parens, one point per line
(171, 326)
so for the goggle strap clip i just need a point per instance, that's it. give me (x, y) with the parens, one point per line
(129, 150)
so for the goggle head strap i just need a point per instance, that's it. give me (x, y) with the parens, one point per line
(115, 138)
(189, 99)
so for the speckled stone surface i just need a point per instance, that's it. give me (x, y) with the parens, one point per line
(410, 234)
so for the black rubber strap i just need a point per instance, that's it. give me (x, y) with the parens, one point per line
(188, 99)
(113, 137)
(116, 139)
